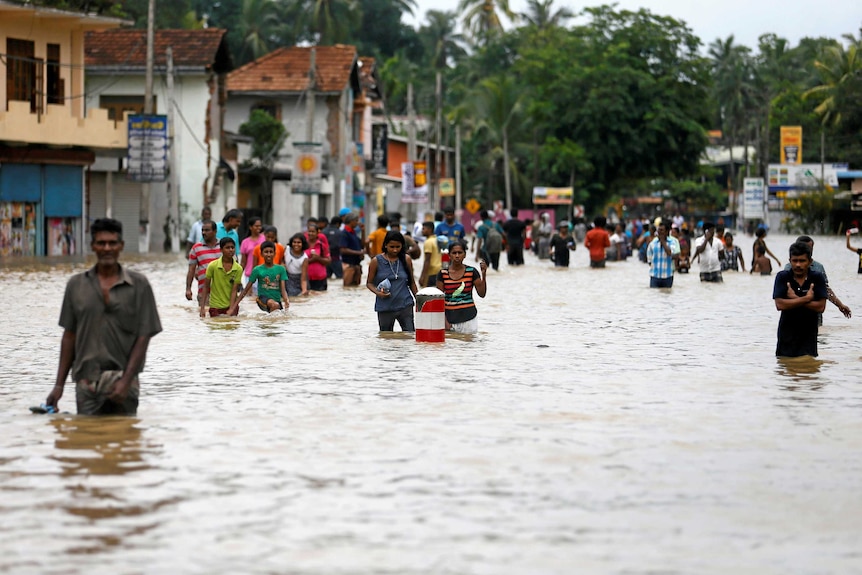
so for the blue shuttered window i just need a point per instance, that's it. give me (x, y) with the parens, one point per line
(21, 183)
(64, 191)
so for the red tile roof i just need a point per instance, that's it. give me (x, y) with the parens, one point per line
(286, 70)
(127, 48)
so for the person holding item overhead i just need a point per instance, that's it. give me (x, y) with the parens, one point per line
(457, 283)
(390, 278)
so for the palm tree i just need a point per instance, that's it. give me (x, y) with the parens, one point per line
(258, 21)
(443, 43)
(837, 68)
(777, 69)
(499, 108)
(733, 91)
(541, 15)
(482, 17)
(330, 22)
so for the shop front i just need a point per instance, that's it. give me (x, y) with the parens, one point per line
(41, 209)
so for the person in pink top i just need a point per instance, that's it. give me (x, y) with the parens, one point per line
(313, 224)
(318, 259)
(246, 248)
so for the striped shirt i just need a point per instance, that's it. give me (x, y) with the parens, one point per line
(201, 255)
(459, 302)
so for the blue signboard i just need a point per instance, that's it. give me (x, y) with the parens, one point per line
(148, 148)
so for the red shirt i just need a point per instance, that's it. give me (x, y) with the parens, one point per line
(596, 241)
(201, 255)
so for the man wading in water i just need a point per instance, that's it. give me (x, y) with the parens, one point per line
(800, 296)
(109, 315)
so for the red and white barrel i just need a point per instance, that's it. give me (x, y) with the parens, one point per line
(430, 315)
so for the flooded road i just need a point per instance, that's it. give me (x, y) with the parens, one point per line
(592, 426)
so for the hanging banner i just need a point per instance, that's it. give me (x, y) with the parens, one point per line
(147, 155)
(306, 177)
(447, 187)
(414, 183)
(379, 149)
(791, 144)
(754, 196)
(358, 157)
(559, 196)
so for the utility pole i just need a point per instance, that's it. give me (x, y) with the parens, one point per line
(435, 197)
(822, 157)
(309, 120)
(458, 196)
(175, 172)
(144, 220)
(411, 140)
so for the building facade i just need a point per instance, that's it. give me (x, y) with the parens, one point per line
(115, 82)
(322, 112)
(47, 137)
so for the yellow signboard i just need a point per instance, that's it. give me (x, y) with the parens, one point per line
(447, 187)
(473, 206)
(791, 144)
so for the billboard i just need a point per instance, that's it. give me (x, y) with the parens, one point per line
(754, 195)
(379, 149)
(147, 155)
(558, 196)
(802, 176)
(791, 144)
(447, 187)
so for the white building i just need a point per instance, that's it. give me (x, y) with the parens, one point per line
(115, 80)
(278, 84)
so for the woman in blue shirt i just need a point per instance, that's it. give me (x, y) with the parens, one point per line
(390, 277)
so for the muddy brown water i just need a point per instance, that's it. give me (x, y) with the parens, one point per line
(592, 426)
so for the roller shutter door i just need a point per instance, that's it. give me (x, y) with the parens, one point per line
(126, 205)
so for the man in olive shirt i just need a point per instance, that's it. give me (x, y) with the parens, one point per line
(109, 315)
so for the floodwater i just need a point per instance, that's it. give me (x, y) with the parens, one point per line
(592, 426)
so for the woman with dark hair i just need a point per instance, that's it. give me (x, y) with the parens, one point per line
(390, 278)
(457, 283)
(759, 240)
(296, 263)
(246, 249)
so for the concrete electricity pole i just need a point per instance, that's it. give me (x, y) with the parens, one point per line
(144, 237)
(175, 171)
(309, 121)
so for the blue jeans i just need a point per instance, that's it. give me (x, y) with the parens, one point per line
(660, 282)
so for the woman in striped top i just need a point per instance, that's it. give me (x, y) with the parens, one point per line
(457, 283)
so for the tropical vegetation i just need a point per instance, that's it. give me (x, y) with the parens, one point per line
(613, 102)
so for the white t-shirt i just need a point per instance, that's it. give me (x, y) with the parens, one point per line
(294, 263)
(709, 260)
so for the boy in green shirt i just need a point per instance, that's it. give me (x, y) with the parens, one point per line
(271, 280)
(223, 280)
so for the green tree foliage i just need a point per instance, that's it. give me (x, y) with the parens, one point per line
(169, 15)
(382, 34)
(837, 67)
(482, 17)
(444, 46)
(269, 135)
(628, 88)
(542, 15)
(606, 106)
(809, 213)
